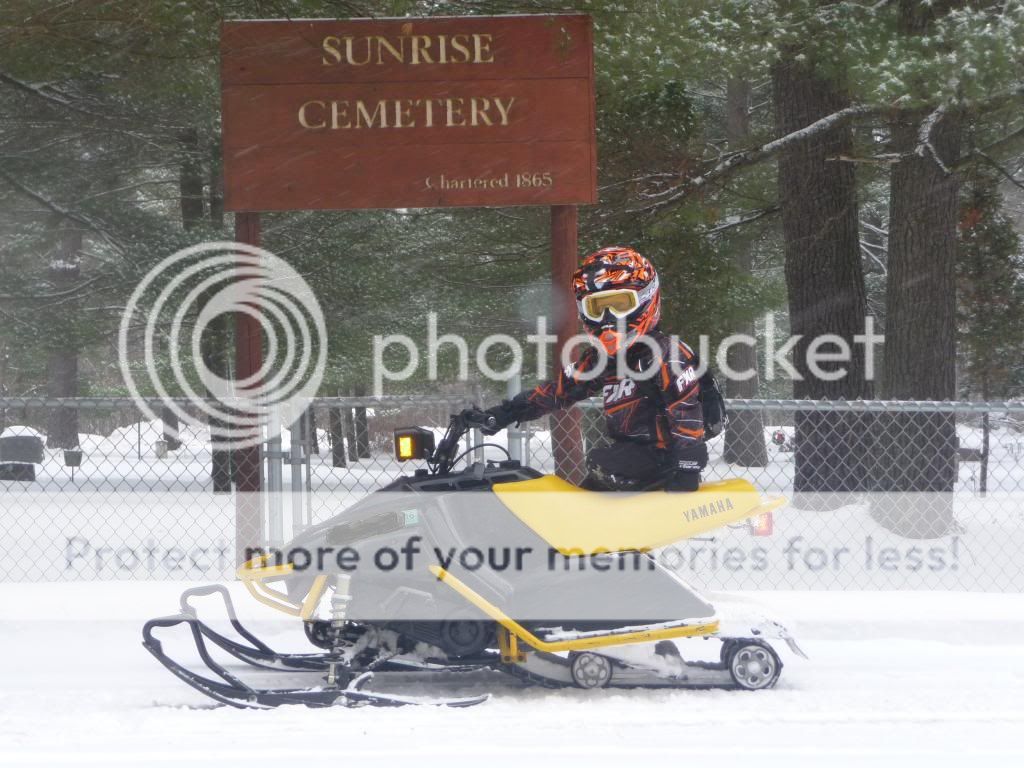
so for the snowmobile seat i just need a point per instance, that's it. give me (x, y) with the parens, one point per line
(580, 522)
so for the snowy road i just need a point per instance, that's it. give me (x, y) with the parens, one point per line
(928, 679)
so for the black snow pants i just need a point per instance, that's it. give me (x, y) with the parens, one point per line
(626, 466)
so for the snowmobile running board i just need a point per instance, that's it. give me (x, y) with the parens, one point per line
(584, 640)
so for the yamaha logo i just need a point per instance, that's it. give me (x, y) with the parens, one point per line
(711, 509)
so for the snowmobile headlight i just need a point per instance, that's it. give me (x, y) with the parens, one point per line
(413, 443)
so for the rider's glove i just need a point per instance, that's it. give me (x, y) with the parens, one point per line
(490, 422)
(687, 462)
(502, 416)
(712, 405)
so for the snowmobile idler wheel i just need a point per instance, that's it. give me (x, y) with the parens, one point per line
(460, 638)
(591, 670)
(752, 664)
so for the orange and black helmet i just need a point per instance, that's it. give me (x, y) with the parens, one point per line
(618, 296)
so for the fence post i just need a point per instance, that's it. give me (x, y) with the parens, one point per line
(349, 414)
(514, 433)
(275, 481)
(360, 425)
(295, 459)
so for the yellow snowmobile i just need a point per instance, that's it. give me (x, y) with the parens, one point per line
(496, 566)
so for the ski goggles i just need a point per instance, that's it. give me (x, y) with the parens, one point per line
(621, 302)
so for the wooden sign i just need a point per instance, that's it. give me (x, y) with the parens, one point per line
(408, 113)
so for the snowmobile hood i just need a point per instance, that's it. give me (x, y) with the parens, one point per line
(579, 522)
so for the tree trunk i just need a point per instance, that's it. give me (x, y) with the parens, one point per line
(336, 426)
(744, 436)
(307, 431)
(190, 178)
(62, 365)
(216, 340)
(824, 279)
(171, 428)
(190, 185)
(214, 343)
(918, 450)
(920, 326)
(216, 186)
(986, 433)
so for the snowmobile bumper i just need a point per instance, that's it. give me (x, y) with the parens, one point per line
(255, 575)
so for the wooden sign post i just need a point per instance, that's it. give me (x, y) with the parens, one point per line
(413, 113)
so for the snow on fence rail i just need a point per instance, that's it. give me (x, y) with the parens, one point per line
(883, 494)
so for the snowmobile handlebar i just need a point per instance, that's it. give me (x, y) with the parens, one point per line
(447, 452)
(474, 417)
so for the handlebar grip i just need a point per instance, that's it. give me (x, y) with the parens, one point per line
(474, 417)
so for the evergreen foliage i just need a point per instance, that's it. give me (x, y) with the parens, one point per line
(107, 107)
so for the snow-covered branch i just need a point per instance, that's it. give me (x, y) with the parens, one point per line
(999, 168)
(47, 95)
(739, 221)
(70, 292)
(1012, 142)
(924, 137)
(637, 179)
(872, 228)
(865, 248)
(885, 158)
(77, 217)
(733, 161)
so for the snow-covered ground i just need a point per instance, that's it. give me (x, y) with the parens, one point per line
(923, 677)
(908, 678)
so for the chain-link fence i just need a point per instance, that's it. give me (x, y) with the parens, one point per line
(882, 494)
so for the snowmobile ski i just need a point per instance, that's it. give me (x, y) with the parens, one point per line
(233, 691)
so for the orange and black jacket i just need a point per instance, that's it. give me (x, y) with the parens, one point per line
(660, 407)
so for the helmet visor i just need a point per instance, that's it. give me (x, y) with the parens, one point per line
(620, 302)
